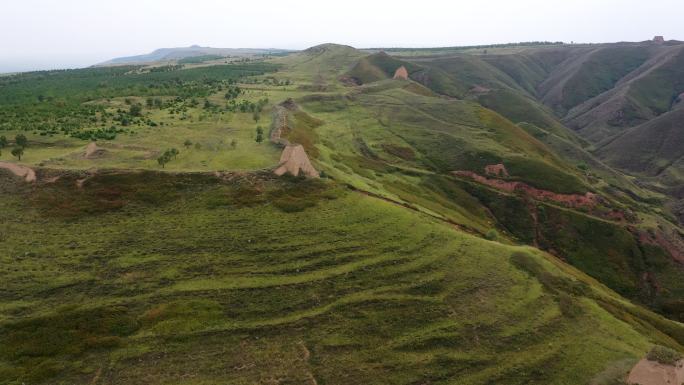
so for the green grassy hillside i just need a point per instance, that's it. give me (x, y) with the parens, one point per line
(590, 74)
(320, 66)
(377, 67)
(643, 95)
(251, 285)
(648, 149)
(604, 89)
(408, 262)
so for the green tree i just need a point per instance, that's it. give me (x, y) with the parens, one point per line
(233, 143)
(3, 141)
(187, 143)
(259, 134)
(21, 141)
(135, 110)
(18, 152)
(163, 159)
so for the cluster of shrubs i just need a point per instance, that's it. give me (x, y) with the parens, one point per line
(663, 355)
(98, 134)
(167, 156)
(247, 106)
(232, 92)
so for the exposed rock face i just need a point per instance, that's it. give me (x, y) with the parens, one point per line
(570, 200)
(653, 373)
(401, 73)
(294, 160)
(659, 39)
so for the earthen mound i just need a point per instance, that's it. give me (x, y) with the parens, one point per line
(496, 170)
(401, 73)
(294, 160)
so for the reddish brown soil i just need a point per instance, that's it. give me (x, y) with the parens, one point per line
(653, 373)
(570, 200)
(658, 238)
(496, 170)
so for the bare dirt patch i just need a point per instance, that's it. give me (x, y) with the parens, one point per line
(647, 372)
(92, 151)
(672, 243)
(21, 171)
(570, 200)
(479, 90)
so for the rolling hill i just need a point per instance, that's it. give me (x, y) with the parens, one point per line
(605, 93)
(179, 53)
(459, 232)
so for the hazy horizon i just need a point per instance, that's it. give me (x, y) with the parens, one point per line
(39, 34)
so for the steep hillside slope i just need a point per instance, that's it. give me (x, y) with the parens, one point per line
(377, 67)
(590, 72)
(504, 83)
(598, 91)
(642, 95)
(401, 146)
(651, 148)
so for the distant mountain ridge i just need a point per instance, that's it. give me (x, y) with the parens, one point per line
(165, 54)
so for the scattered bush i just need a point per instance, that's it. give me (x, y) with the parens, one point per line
(663, 355)
(167, 156)
(492, 235)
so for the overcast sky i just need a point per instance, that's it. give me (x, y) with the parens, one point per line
(42, 34)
